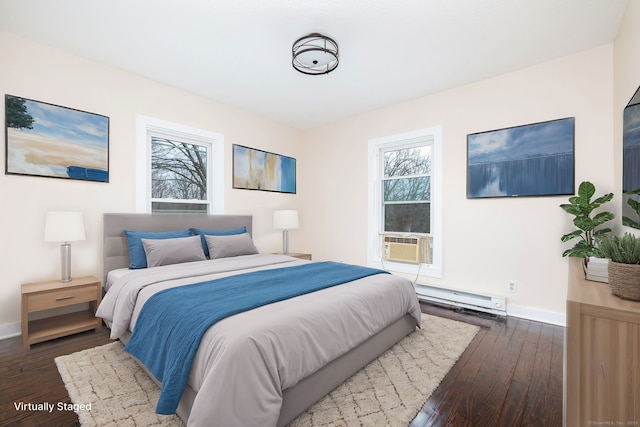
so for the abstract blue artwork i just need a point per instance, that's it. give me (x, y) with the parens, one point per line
(48, 140)
(631, 145)
(260, 170)
(631, 162)
(529, 160)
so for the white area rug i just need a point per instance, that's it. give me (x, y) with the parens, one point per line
(390, 391)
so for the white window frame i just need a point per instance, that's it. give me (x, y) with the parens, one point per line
(147, 126)
(374, 230)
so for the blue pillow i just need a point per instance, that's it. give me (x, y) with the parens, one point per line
(200, 232)
(137, 257)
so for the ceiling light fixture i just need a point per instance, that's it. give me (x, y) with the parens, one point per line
(315, 54)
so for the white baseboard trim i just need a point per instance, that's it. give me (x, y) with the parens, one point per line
(9, 330)
(537, 315)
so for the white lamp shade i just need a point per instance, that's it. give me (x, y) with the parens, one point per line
(64, 227)
(285, 219)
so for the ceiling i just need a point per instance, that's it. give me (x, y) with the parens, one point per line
(239, 51)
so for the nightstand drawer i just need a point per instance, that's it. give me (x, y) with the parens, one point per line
(61, 297)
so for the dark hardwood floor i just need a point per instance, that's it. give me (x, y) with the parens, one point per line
(510, 375)
(31, 376)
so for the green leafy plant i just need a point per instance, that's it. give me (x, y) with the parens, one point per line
(635, 205)
(581, 206)
(623, 250)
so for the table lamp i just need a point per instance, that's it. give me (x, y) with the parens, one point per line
(285, 220)
(64, 227)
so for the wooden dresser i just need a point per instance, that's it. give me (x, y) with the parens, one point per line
(602, 355)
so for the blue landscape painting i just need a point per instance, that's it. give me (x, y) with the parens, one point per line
(53, 141)
(530, 160)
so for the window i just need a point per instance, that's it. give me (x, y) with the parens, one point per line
(405, 195)
(179, 176)
(406, 189)
(180, 169)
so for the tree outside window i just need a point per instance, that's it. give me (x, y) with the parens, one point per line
(406, 190)
(178, 176)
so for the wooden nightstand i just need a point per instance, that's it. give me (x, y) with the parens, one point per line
(301, 256)
(42, 296)
(295, 255)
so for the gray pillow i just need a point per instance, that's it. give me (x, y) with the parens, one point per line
(173, 251)
(229, 246)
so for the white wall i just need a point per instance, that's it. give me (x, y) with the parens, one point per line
(486, 241)
(38, 72)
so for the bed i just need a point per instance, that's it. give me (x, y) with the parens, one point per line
(264, 366)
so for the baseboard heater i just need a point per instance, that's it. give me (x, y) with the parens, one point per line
(477, 302)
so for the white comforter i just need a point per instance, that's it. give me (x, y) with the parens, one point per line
(245, 361)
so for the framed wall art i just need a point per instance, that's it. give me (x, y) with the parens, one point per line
(260, 170)
(48, 140)
(530, 160)
(631, 162)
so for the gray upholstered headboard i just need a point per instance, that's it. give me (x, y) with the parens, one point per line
(115, 252)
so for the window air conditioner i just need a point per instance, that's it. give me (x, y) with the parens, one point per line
(409, 249)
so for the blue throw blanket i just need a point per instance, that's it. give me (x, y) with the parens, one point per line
(186, 312)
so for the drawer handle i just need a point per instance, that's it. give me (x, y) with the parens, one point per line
(64, 298)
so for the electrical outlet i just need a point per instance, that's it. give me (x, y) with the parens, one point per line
(512, 286)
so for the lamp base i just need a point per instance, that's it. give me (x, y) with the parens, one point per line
(65, 258)
(285, 242)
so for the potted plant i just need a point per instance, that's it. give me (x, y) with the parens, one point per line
(581, 207)
(635, 206)
(624, 265)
